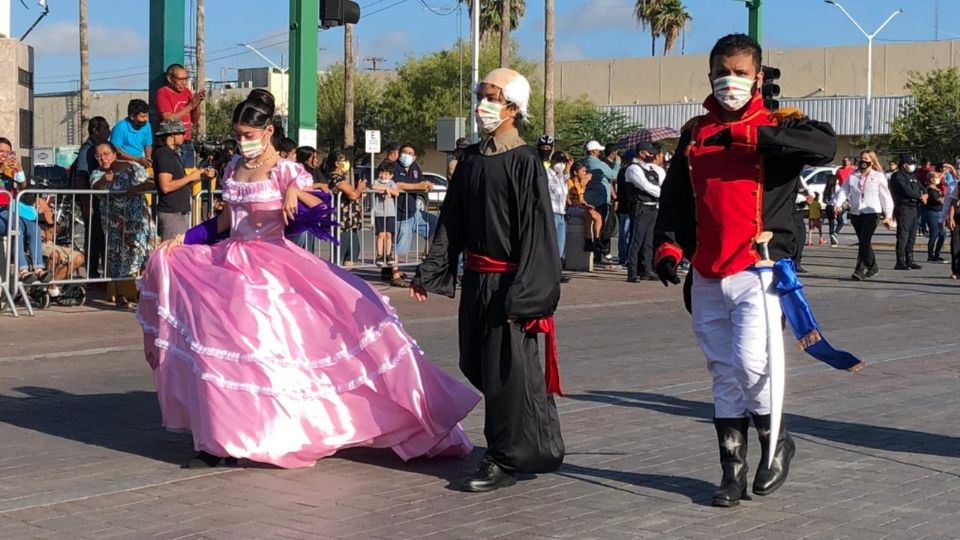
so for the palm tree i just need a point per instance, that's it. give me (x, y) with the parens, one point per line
(201, 128)
(348, 102)
(84, 69)
(670, 20)
(645, 12)
(548, 101)
(491, 13)
(505, 34)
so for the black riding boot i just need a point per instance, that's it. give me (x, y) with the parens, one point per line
(732, 439)
(769, 479)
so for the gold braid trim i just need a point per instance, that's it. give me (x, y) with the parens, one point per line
(810, 339)
(788, 113)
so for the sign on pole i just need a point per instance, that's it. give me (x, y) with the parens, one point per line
(372, 137)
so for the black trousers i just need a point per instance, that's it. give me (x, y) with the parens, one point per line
(955, 251)
(93, 240)
(865, 225)
(906, 217)
(643, 220)
(800, 232)
(502, 361)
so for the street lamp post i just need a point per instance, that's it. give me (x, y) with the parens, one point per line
(283, 73)
(868, 108)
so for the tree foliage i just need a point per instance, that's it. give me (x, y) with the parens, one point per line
(220, 117)
(490, 14)
(663, 18)
(928, 125)
(406, 108)
(367, 93)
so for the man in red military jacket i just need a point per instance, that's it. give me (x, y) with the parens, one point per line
(735, 175)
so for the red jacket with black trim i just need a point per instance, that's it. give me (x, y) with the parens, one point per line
(730, 181)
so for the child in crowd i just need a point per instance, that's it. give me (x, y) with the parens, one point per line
(815, 219)
(385, 213)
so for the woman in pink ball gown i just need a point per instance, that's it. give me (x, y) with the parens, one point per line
(265, 352)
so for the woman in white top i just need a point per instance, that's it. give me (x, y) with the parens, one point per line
(869, 196)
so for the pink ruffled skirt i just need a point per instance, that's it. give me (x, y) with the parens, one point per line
(262, 351)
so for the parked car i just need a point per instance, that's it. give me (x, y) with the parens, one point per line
(437, 194)
(815, 178)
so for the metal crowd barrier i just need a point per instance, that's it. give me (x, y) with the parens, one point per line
(359, 250)
(356, 248)
(70, 237)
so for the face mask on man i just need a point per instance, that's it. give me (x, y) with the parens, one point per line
(911, 168)
(733, 92)
(488, 115)
(406, 160)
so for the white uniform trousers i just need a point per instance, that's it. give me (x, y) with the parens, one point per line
(730, 322)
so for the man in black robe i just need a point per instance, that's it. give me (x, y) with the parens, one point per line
(497, 210)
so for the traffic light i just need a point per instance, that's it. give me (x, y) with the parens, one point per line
(770, 90)
(338, 12)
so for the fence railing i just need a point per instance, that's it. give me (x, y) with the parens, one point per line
(72, 249)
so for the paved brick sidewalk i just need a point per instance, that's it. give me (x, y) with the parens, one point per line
(82, 454)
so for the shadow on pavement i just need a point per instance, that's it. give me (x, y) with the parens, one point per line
(451, 470)
(130, 423)
(698, 491)
(125, 422)
(851, 433)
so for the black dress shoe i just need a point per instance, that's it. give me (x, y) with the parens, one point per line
(914, 266)
(488, 477)
(901, 267)
(203, 460)
(649, 277)
(801, 270)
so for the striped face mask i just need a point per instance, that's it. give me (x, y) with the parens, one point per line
(733, 92)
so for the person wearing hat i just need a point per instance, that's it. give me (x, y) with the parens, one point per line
(645, 176)
(174, 184)
(461, 145)
(907, 195)
(498, 211)
(545, 150)
(599, 195)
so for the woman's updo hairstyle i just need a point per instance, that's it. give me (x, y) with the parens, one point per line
(255, 111)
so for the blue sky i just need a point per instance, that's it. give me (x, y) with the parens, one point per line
(395, 29)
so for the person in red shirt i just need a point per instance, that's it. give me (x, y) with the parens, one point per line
(845, 171)
(175, 101)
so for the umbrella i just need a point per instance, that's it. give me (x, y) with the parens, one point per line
(647, 135)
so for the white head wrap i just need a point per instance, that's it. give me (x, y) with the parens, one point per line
(514, 87)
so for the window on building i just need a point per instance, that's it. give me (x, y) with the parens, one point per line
(25, 78)
(26, 128)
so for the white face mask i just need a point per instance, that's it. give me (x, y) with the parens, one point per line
(488, 115)
(252, 148)
(559, 168)
(733, 92)
(911, 168)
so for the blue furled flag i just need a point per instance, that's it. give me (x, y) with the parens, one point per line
(804, 325)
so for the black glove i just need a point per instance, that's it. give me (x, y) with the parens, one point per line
(667, 271)
(722, 138)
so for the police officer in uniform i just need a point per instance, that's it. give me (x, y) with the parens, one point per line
(907, 194)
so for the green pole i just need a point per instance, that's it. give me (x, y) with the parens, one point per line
(755, 20)
(302, 115)
(167, 23)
